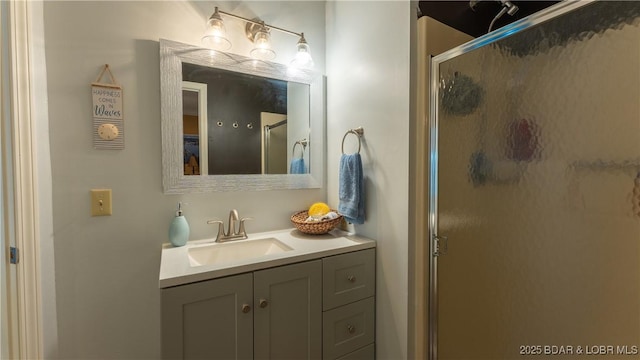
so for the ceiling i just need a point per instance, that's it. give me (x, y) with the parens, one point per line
(459, 15)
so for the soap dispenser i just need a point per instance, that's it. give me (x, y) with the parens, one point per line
(179, 229)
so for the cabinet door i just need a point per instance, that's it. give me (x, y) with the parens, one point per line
(288, 315)
(209, 320)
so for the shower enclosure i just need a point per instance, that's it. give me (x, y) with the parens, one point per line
(535, 189)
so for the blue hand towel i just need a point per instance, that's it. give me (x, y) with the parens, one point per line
(351, 188)
(298, 166)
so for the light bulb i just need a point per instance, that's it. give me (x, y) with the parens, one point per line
(215, 35)
(303, 59)
(262, 48)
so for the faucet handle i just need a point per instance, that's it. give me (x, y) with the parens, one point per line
(241, 230)
(220, 228)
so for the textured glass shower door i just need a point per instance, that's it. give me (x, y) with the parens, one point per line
(535, 193)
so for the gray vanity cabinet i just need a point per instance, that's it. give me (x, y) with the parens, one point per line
(268, 314)
(209, 320)
(317, 309)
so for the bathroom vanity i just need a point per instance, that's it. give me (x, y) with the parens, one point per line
(276, 295)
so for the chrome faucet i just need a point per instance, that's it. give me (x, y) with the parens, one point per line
(231, 233)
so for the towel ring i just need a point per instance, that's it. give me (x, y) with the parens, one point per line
(357, 132)
(302, 143)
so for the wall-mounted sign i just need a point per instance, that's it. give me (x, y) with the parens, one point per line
(108, 116)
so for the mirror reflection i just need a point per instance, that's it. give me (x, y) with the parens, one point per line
(237, 123)
(222, 122)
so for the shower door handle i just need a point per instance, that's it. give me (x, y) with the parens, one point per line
(441, 245)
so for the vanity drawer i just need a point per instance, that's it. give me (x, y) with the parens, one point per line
(366, 353)
(347, 278)
(348, 328)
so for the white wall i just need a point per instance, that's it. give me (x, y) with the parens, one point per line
(106, 268)
(368, 66)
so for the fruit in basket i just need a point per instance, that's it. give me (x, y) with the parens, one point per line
(318, 210)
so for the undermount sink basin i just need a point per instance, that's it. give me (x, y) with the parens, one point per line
(235, 251)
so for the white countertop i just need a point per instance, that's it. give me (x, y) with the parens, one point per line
(175, 268)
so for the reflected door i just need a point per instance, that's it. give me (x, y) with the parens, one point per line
(195, 128)
(274, 143)
(537, 192)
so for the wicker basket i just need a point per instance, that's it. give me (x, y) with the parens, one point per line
(314, 228)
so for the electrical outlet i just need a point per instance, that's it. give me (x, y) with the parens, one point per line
(100, 202)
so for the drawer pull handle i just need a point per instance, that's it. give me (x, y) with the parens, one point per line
(351, 278)
(263, 303)
(246, 308)
(351, 329)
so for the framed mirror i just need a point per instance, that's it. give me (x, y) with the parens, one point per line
(231, 123)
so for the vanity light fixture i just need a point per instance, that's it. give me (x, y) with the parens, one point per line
(262, 44)
(259, 33)
(303, 58)
(215, 36)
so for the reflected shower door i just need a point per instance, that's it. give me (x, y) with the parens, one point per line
(536, 190)
(274, 143)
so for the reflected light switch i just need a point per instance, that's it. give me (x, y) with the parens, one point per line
(100, 202)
